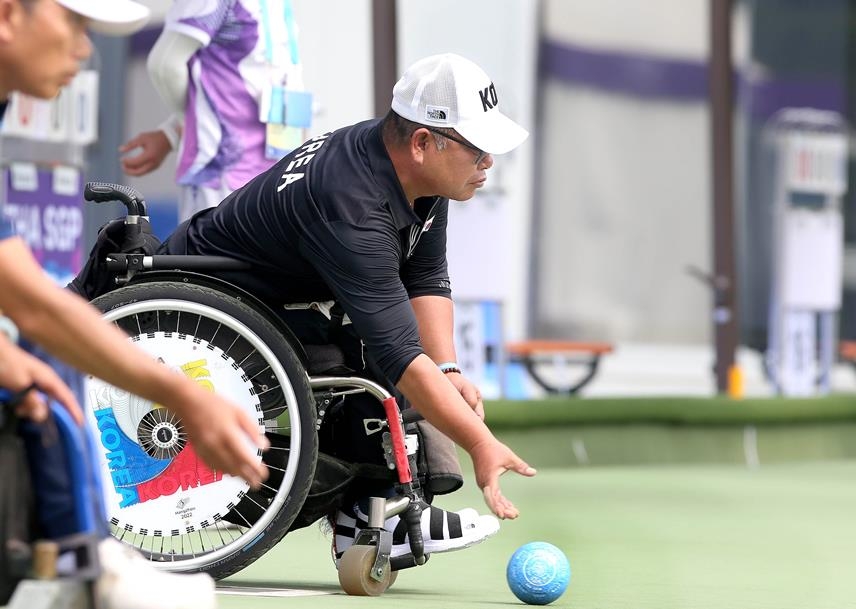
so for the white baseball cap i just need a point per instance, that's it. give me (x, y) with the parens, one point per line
(452, 92)
(113, 17)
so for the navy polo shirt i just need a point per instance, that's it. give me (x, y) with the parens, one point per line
(331, 221)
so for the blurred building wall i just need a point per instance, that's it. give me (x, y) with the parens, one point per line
(624, 171)
(489, 235)
(798, 54)
(623, 202)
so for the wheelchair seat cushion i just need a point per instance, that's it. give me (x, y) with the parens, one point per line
(326, 360)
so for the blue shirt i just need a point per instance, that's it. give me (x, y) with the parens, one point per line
(7, 228)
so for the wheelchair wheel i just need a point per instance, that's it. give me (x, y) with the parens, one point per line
(165, 501)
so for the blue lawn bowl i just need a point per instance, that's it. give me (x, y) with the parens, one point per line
(538, 573)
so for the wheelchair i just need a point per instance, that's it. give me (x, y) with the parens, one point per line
(165, 501)
(32, 570)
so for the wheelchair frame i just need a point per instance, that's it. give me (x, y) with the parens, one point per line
(366, 567)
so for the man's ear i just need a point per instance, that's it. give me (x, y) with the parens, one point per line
(9, 15)
(419, 141)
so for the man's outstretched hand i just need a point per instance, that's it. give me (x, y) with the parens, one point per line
(491, 460)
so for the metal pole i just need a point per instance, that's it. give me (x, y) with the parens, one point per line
(103, 159)
(725, 284)
(384, 41)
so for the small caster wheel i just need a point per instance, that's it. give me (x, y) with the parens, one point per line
(355, 572)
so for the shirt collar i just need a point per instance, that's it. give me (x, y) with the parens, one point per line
(384, 173)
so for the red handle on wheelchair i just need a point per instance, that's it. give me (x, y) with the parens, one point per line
(396, 432)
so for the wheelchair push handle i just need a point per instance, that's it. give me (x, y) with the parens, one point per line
(103, 192)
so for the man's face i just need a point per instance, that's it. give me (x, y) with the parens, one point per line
(459, 170)
(46, 45)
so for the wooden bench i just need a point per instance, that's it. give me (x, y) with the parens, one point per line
(847, 350)
(532, 353)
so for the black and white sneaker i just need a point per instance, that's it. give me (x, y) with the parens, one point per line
(442, 531)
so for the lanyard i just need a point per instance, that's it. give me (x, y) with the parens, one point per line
(288, 16)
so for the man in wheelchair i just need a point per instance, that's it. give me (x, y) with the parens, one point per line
(345, 239)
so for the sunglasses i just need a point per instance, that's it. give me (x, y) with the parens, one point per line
(480, 154)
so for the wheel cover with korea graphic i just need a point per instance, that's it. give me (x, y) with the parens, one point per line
(159, 483)
(160, 496)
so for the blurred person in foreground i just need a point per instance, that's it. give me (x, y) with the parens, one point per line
(42, 44)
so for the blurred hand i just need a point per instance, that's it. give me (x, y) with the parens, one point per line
(153, 148)
(21, 373)
(468, 391)
(491, 459)
(223, 435)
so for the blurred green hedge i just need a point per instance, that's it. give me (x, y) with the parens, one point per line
(559, 411)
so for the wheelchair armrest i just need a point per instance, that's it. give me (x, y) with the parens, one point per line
(169, 262)
(174, 262)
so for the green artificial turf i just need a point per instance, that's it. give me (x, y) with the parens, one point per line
(664, 537)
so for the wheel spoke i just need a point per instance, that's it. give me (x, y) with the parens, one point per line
(277, 428)
(213, 336)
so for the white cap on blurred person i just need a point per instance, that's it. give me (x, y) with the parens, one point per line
(112, 17)
(452, 92)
